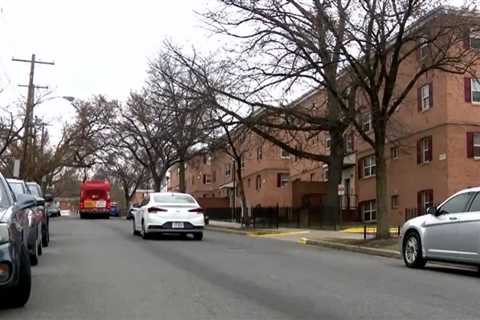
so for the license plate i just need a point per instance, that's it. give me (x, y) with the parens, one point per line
(177, 225)
(89, 204)
(101, 204)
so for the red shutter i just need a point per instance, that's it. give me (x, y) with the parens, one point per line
(430, 89)
(279, 181)
(430, 196)
(469, 144)
(360, 169)
(430, 149)
(466, 40)
(419, 152)
(419, 202)
(468, 91)
(419, 98)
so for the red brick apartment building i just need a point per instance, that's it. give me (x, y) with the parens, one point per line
(433, 151)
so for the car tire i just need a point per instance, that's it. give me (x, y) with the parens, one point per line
(412, 251)
(144, 234)
(18, 295)
(34, 256)
(135, 231)
(198, 236)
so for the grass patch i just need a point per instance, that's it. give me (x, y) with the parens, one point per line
(388, 244)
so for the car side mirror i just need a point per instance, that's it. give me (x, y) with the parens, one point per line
(433, 211)
(25, 201)
(48, 197)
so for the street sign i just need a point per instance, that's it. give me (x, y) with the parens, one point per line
(341, 190)
(16, 168)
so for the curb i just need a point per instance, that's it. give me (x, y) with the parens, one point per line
(353, 248)
(226, 230)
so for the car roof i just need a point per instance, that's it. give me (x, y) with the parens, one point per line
(171, 193)
(15, 180)
(473, 189)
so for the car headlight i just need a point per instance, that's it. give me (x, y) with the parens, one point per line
(4, 233)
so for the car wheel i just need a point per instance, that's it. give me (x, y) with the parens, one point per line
(135, 231)
(18, 295)
(412, 251)
(144, 234)
(198, 236)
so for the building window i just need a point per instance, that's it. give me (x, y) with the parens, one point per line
(312, 176)
(349, 140)
(368, 166)
(259, 153)
(394, 152)
(423, 50)
(424, 150)
(282, 179)
(366, 121)
(328, 142)
(207, 179)
(475, 90)
(395, 201)
(473, 145)
(425, 97)
(424, 200)
(299, 148)
(228, 170)
(284, 154)
(475, 39)
(325, 172)
(258, 182)
(242, 161)
(369, 210)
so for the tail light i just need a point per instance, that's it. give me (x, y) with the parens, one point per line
(196, 210)
(81, 204)
(156, 209)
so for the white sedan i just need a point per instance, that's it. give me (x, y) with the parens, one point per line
(168, 212)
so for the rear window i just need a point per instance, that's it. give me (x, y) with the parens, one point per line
(34, 190)
(173, 198)
(95, 194)
(17, 188)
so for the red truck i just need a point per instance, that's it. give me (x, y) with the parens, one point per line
(95, 199)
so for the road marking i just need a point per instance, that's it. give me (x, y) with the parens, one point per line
(273, 235)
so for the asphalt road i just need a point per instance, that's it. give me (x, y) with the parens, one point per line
(96, 269)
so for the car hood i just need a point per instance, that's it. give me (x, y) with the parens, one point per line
(417, 221)
(4, 215)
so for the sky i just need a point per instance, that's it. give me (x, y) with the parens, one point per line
(98, 46)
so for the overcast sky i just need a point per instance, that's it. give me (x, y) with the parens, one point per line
(99, 46)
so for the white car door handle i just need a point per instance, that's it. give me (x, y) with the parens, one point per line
(453, 218)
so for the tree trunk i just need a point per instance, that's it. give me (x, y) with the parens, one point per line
(181, 176)
(381, 192)
(243, 198)
(332, 211)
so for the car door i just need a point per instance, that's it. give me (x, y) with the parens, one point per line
(469, 231)
(441, 231)
(140, 212)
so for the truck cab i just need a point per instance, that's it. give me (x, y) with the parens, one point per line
(95, 199)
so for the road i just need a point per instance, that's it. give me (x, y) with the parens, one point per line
(95, 269)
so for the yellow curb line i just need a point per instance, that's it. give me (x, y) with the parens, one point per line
(267, 235)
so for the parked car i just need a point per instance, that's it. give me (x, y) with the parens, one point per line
(15, 276)
(52, 209)
(448, 232)
(35, 218)
(132, 208)
(37, 192)
(166, 212)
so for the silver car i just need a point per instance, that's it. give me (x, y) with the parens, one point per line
(448, 232)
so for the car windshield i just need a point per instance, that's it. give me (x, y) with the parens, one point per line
(173, 198)
(17, 187)
(4, 202)
(34, 189)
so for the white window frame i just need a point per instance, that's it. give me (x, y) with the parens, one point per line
(474, 35)
(396, 204)
(369, 166)
(475, 82)
(328, 142)
(424, 201)
(325, 172)
(423, 49)
(260, 153)
(476, 145)
(228, 170)
(370, 208)
(367, 121)
(395, 151)
(425, 149)
(284, 179)
(258, 182)
(284, 154)
(208, 179)
(425, 97)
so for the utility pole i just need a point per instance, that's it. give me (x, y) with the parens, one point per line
(29, 110)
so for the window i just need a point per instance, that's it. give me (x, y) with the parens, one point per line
(369, 210)
(423, 50)
(325, 172)
(394, 152)
(475, 90)
(349, 140)
(425, 97)
(328, 141)
(207, 179)
(475, 206)
(299, 148)
(312, 176)
(228, 170)
(282, 179)
(242, 161)
(259, 153)
(284, 154)
(475, 39)
(366, 121)
(395, 201)
(258, 182)
(424, 150)
(368, 166)
(473, 145)
(456, 204)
